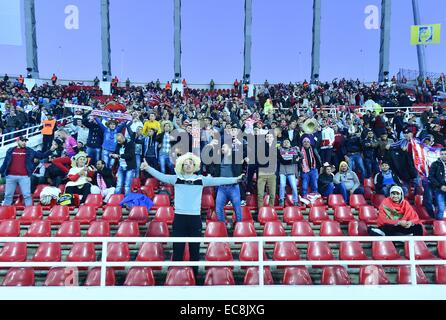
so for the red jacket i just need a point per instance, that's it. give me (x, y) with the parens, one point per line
(391, 212)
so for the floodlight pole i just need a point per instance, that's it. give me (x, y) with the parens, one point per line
(31, 39)
(384, 50)
(316, 45)
(105, 39)
(420, 48)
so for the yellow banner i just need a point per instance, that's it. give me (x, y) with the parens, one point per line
(425, 34)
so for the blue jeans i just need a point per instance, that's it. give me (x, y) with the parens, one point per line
(138, 165)
(309, 177)
(355, 160)
(371, 167)
(427, 198)
(25, 186)
(293, 183)
(440, 196)
(164, 160)
(109, 162)
(125, 178)
(329, 190)
(341, 189)
(225, 192)
(94, 154)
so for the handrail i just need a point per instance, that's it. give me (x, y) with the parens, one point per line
(104, 241)
(29, 132)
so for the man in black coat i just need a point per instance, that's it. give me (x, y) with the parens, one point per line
(438, 183)
(126, 158)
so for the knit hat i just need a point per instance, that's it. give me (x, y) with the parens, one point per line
(180, 161)
(342, 162)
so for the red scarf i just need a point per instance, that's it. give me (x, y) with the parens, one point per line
(305, 164)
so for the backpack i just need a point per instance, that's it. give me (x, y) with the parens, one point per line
(65, 200)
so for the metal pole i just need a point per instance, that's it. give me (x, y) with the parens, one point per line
(384, 50)
(248, 41)
(420, 48)
(104, 261)
(413, 273)
(177, 39)
(31, 39)
(316, 46)
(261, 271)
(105, 35)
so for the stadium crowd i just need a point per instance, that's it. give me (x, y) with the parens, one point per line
(319, 138)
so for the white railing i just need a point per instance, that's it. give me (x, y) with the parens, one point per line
(261, 263)
(27, 132)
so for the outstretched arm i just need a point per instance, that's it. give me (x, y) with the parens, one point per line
(169, 179)
(211, 182)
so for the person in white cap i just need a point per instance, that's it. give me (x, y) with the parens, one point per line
(188, 190)
(397, 217)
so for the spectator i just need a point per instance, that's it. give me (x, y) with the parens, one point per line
(70, 144)
(352, 150)
(437, 181)
(288, 159)
(95, 138)
(165, 142)
(17, 168)
(328, 139)
(152, 123)
(309, 163)
(103, 178)
(80, 177)
(48, 131)
(396, 217)
(369, 146)
(266, 168)
(347, 182)
(386, 179)
(125, 154)
(110, 130)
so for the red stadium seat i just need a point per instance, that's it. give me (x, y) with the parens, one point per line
(153, 183)
(368, 214)
(289, 201)
(369, 183)
(112, 214)
(441, 249)
(212, 216)
(207, 202)
(14, 252)
(99, 229)
(31, 214)
(319, 250)
(246, 215)
(136, 184)
(285, 251)
(274, 229)
(250, 252)
(302, 229)
(94, 200)
(423, 214)
(57, 277)
(209, 190)
(343, 214)
(216, 229)
(139, 214)
(19, 277)
(82, 252)
(267, 214)
(377, 199)
(357, 200)
(244, 229)
(439, 228)
(318, 214)
(94, 277)
(372, 275)
(352, 250)
(148, 191)
(421, 251)
(251, 200)
(86, 214)
(39, 229)
(48, 252)
(69, 229)
(128, 229)
(118, 251)
(151, 251)
(161, 200)
(368, 193)
(115, 200)
(170, 189)
(384, 250)
(330, 229)
(291, 215)
(157, 229)
(252, 277)
(403, 275)
(7, 212)
(317, 203)
(219, 276)
(335, 275)
(165, 214)
(180, 276)
(266, 200)
(336, 200)
(440, 274)
(59, 214)
(139, 277)
(19, 203)
(9, 228)
(218, 251)
(38, 191)
(357, 228)
(297, 275)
